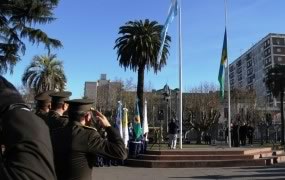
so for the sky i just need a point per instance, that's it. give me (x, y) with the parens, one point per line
(88, 30)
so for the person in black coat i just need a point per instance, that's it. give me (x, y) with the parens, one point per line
(77, 144)
(25, 139)
(242, 134)
(43, 104)
(56, 117)
(236, 138)
(250, 132)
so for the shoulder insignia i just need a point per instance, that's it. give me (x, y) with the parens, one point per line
(88, 127)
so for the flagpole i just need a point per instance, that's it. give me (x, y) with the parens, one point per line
(228, 82)
(180, 75)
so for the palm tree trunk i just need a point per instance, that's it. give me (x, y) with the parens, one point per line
(282, 117)
(140, 89)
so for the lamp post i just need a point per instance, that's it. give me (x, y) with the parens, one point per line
(166, 96)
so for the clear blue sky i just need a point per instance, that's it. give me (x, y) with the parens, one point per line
(88, 30)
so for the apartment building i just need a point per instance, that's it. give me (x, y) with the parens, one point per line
(249, 70)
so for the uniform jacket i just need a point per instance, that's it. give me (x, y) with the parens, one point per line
(42, 114)
(76, 145)
(54, 120)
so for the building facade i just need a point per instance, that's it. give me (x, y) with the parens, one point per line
(249, 70)
(104, 92)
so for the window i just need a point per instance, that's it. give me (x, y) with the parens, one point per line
(232, 68)
(239, 77)
(278, 50)
(249, 64)
(239, 70)
(239, 63)
(249, 71)
(279, 59)
(267, 61)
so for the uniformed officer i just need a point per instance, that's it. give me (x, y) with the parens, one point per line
(76, 144)
(56, 118)
(25, 139)
(43, 104)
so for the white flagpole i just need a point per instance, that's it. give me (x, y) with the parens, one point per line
(228, 82)
(180, 76)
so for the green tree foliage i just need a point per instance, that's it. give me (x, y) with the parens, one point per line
(44, 73)
(137, 49)
(275, 82)
(17, 22)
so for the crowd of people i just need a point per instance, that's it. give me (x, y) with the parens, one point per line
(57, 141)
(240, 133)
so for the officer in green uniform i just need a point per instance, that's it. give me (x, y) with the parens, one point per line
(25, 139)
(43, 104)
(56, 118)
(76, 144)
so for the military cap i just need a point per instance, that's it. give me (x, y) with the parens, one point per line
(80, 105)
(60, 97)
(44, 96)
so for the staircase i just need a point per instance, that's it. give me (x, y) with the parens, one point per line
(208, 157)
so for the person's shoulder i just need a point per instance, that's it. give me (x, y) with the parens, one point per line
(89, 128)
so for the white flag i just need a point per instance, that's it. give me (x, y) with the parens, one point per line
(125, 127)
(145, 123)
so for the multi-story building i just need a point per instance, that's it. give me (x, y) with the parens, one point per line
(104, 92)
(249, 70)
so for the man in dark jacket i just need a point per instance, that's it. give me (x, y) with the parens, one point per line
(25, 139)
(56, 118)
(76, 145)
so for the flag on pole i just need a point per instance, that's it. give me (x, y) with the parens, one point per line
(137, 122)
(145, 122)
(224, 59)
(125, 127)
(118, 123)
(171, 14)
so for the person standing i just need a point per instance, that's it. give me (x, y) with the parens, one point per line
(250, 131)
(56, 116)
(43, 104)
(243, 133)
(172, 130)
(76, 144)
(25, 139)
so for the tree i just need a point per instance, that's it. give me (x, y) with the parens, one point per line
(137, 49)
(202, 109)
(17, 21)
(275, 82)
(44, 73)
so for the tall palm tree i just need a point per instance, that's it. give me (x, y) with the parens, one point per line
(137, 49)
(45, 73)
(17, 21)
(275, 82)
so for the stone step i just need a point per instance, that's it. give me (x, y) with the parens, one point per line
(217, 151)
(195, 157)
(197, 163)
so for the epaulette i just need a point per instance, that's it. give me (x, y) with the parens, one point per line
(88, 127)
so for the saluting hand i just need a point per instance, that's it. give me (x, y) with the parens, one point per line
(102, 119)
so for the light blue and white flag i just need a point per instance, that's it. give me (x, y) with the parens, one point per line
(171, 14)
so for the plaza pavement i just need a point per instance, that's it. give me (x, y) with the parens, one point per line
(276, 172)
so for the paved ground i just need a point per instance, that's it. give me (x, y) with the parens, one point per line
(276, 172)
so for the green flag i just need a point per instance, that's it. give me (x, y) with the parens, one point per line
(224, 59)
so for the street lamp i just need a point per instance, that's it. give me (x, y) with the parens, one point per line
(167, 97)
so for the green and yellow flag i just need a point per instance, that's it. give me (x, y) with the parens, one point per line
(224, 59)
